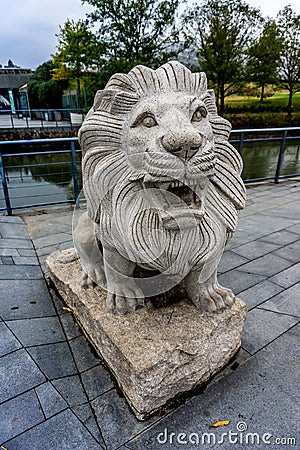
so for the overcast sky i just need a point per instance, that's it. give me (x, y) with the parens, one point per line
(28, 27)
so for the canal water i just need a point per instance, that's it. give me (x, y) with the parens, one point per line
(37, 179)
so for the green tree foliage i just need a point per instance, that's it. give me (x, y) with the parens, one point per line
(223, 30)
(43, 91)
(76, 52)
(264, 57)
(134, 32)
(289, 24)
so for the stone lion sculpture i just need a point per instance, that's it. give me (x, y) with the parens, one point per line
(162, 185)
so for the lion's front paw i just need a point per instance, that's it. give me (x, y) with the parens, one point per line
(91, 277)
(124, 299)
(213, 298)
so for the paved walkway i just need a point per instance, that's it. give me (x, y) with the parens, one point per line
(56, 393)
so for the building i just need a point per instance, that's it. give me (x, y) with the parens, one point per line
(11, 79)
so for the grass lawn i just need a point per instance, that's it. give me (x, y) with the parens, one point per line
(279, 99)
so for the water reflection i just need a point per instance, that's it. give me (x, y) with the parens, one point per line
(260, 159)
(40, 178)
(48, 177)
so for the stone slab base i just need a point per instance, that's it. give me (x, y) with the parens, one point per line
(154, 354)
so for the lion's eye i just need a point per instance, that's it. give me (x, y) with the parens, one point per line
(148, 121)
(199, 114)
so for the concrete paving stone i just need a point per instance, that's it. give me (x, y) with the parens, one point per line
(51, 239)
(295, 228)
(267, 265)
(13, 231)
(246, 213)
(20, 272)
(96, 381)
(15, 243)
(8, 260)
(290, 252)
(37, 331)
(25, 299)
(25, 260)
(255, 249)
(70, 326)
(262, 327)
(290, 210)
(45, 251)
(11, 219)
(9, 252)
(117, 422)
(8, 342)
(282, 192)
(281, 238)
(287, 302)
(294, 195)
(19, 414)
(243, 235)
(71, 389)
(55, 360)
(260, 396)
(239, 281)
(63, 431)
(260, 207)
(50, 400)
(25, 252)
(265, 224)
(83, 353)
(287, 277)
(66, 245)
(86, 416)
(18, 373)
(230, 261)
(259, 293)
(41, 229)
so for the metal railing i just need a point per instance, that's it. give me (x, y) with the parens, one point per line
(51, 168)
(41, 118)
(61, 167)
(281, 136)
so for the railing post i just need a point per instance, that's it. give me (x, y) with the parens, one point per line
(5, 188)
(74, 171)
(240, 150)
(280, 157)
(12, 120)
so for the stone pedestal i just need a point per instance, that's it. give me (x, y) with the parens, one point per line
(154, 354)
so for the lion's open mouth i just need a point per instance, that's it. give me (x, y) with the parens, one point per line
(179, 205)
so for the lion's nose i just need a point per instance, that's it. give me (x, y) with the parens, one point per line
(183, 144)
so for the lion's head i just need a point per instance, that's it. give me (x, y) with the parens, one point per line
(160, 128)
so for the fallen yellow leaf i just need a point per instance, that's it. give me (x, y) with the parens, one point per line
(220, 423)
(67, 309)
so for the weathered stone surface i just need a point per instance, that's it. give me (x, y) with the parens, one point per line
(155, 354)
(163, 188)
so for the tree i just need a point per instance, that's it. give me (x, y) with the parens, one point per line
(264, 57)
(76, 52)
(43, 91)
(289, 25)
(223, 30)
(135, 31)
